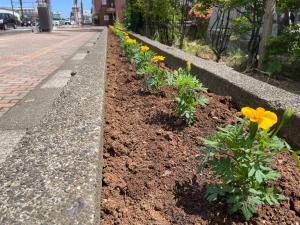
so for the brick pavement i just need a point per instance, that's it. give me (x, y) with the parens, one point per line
(28, 58)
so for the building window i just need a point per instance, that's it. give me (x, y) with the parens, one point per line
(106, 17)
(104, 2)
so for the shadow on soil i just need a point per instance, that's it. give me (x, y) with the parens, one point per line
(190, 197)
(167, 121)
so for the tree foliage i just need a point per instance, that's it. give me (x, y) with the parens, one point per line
(157, 19)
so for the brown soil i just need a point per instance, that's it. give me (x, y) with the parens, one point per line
(149, 170)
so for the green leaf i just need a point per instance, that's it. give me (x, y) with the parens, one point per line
(269, 200)
(259, 176)
(296, 157)
(247, 211)
(253, 191)
(251, 172)
(212, 197)
(255, 200)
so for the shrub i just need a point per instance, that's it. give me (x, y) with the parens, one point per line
(240, 155)
(283, 53)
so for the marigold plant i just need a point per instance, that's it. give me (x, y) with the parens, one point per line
(240, 156)
(156, 78)
(189, 93)
(142, 59)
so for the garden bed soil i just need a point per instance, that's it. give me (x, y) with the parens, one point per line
(149, 169)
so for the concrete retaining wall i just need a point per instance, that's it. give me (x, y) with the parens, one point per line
(245, 90)
(53, 175)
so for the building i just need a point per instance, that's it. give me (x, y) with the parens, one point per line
(75, 13)
(86, 17)
(56, 16)
(106, 11)
(28, 13)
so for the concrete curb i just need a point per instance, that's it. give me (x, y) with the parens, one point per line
(245, 90)
(13, 32)
(53, 175)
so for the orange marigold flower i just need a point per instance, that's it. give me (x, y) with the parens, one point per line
(264, 119)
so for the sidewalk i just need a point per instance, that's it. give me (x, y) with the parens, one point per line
(51, 175)
(28, 58)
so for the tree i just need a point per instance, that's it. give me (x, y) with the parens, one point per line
(162, 20)
(266, 30)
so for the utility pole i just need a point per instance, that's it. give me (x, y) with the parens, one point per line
(12, 7)
(81, 12)
(266, 30)
(22, 13)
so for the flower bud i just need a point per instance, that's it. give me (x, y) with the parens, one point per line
(188, 66)
(288, 113)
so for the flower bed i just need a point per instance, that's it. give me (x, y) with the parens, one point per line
(149, 174)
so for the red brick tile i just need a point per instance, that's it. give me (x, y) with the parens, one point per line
(30, 58)
(7, 105)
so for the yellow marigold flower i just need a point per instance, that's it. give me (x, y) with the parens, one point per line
(144, 48)
(158, 58)
(131, 41)
(264, 119)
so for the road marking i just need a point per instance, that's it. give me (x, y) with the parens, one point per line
(59, 80)
(79, 56)
(89, 45)
(8, 141)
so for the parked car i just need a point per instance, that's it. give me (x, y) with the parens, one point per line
(7, 20)
(55, 23)
(67, 22)
(26, 23)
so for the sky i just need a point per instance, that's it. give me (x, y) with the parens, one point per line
(62, 6)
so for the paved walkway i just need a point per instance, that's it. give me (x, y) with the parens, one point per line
(49, 169)
(27, 58)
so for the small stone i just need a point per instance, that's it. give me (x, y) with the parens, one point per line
(166, 173)
(296, 206)
(113, 181)
(73, 73)
(159, 132)
(131, 165)
(118, 148)
(159, 206)
(29, 100)
(168, 136)
(106, 155)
